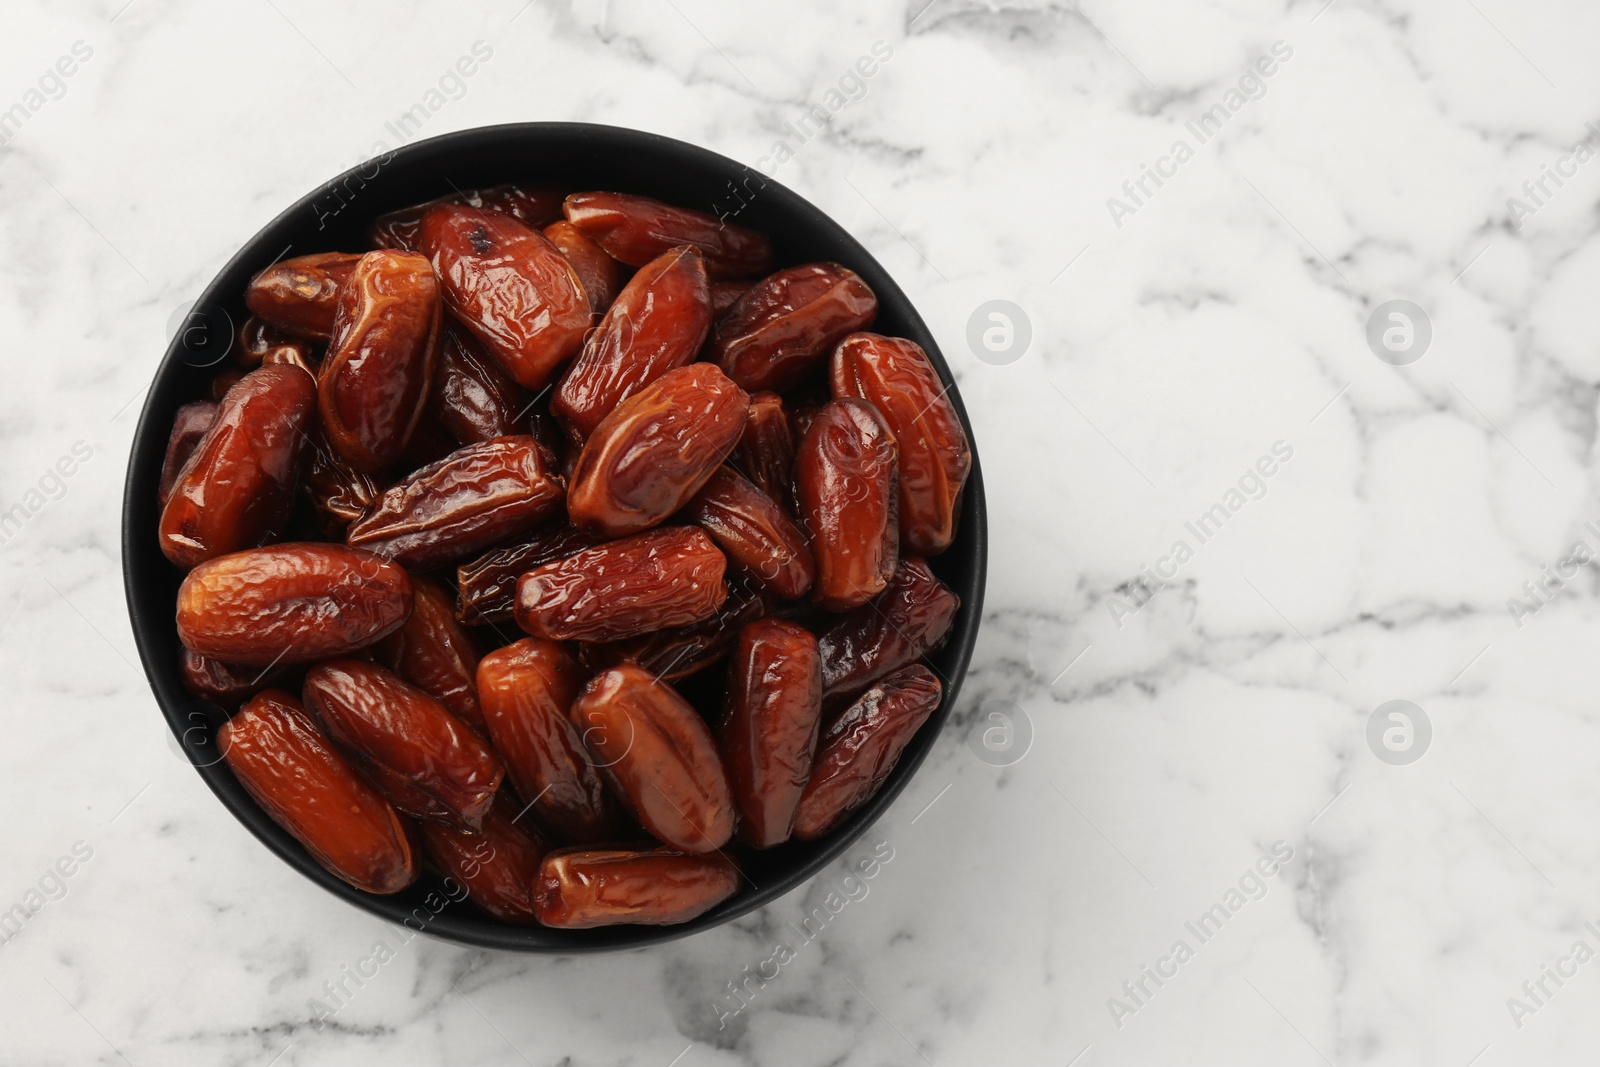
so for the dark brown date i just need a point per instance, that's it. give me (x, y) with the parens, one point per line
(511, 287)
(860, 748)
(435, 653)
(660, 754)
(770, 733)
(189, 426)
(601, 275)
(298, 778)
(291, 603)
(655, 450)
(657, 324)
(682, 650)
(498, 864)
(486, 588)
(411, 736)
(526, 689)
(531, 206)
(783, 327)
(901, 624)
(726, 294)
(636, 229)
(471, 499)
(338, 492)
(237, 488)
(299, 295)
(620, 589)
(894, 376)
(755, 533)
(374, 381)
(765, 453)
(844, 476)
(582, 888)
(226, 683)
(472, 398)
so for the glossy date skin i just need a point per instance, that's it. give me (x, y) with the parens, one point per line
(299, 295)
(189, 425)
(680, 651)
(755, 533)
(284, 762)
(765, 452)
(486, 588)
(237, 488)
(374, 381)
(526, 689)
(601, 275)
(531, 205)
(860, 748)
(637, 229)
(621, 589)
(472, 399)
(655, 450)
(431, 765)
(787, 323)
(339, 493)
(656, 324)
(510, 286)
(226, 683)
(460, 505)
(582, 888)
(435, 653)
(894, 376)
(291, 603)
(903, 623)
(659, 752)
(844, 475)
(255, 340)
(769, 736)
(498, 864)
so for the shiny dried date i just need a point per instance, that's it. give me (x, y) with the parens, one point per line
(895, 377)
(339, 493)
(769, 735)
(765, 453)
(787, 323)
(532, 206)
(255, 340)
(374, 382)
(657, 324)
(299, 295)
(291, 354)
(649, 456)
(637, 229)
(582, 888)
(435, 653)
(298, 778)
(510, 286)
(755, 533)
(237, 488)
(901, 624)
(462, 504)
(682, 650)
(844, 475)
(486, 588)
(411, 736)
(860, 748)
(601, 275)
(620, 589)
(472, 398)
(189, 426)
(226, 683)
(526, 689)
(660, 754)
(291, 603)
(498, 864)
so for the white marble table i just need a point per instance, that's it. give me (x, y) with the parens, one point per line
(1193, 713)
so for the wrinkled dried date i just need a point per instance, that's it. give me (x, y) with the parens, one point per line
(902, 623)
(531, 205)
(787, 323)
(338, 492)
(435, 653)
(255, 340)
(299, 295)
(769, 735)
(765, 452)
(601, 275)
(754, 532)
(682, 650)
(637, 229)
(189, 425)
(472, 398)
(844, 475)
(227, 683)
(582, 888)
(486, 588)
(498, 864)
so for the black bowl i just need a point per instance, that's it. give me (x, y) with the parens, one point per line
(575, 156)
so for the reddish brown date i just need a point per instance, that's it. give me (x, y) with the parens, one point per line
(374, 381)
(486, 588)
(255, 340)
(226, 683)
(285, 763)
(894, 376)
(901, 624)
(620, 589)
(783, 327)
(659, 752)
(650, 455)
(582, 888)
(435, 653)
(291, 603)
(299, 295)
(411, 736)
(498, 864)
(338, 492)
(726, 294)
(857, 752)
(601, 275)
(511, 287)
(189, 426)
(293, 354)
(462, 504)
(683, 650)
(657, 324)
(526, 689)
(844, 477)
(636, 229)
(237, 488)
(770, 733)
(765, 453)
(755, 533)
(532, 206)
(472, 398)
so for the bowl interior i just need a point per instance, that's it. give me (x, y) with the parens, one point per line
(572, 156)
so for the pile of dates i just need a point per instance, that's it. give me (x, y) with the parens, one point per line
(495, 496)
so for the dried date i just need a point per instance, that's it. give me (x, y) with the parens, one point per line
(486, 588)
(901, 624)
(435, 653)
(601, 275)
(754, 532)
(765, 453)
(787, 323)
(299, 295)
(498, 864)
(472, 398)
(844, 476)
(582, 888)
(189, 426)
(680, 651)
(637, 229)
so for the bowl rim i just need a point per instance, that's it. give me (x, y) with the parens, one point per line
(466, 925)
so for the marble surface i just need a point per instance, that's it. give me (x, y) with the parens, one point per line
(1188, 729)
